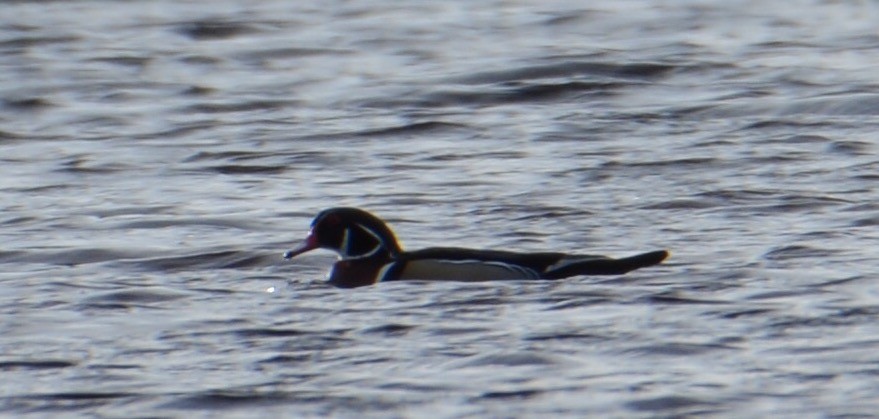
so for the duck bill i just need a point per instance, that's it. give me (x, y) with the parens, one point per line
(310, 243)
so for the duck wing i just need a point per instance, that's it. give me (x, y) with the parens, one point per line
(544, 265)
(602, 265)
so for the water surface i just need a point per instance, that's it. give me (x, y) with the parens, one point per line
(156, 158)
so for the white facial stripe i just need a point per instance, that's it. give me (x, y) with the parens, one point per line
(371, 233)
(346, 236)
(346, 243)
(380, 242)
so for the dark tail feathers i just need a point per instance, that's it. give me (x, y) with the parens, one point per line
(606, 266)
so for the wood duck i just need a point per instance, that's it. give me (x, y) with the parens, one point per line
(369, 253)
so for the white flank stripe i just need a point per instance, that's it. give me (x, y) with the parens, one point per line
(384, 271)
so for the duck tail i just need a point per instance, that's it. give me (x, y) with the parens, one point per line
(601, 265)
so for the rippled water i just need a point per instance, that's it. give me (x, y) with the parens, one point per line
(158, 157)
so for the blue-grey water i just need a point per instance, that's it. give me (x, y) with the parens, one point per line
(157, 157)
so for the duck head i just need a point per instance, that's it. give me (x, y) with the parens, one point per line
(350, 232)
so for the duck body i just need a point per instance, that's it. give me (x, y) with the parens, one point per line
(369, 253)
